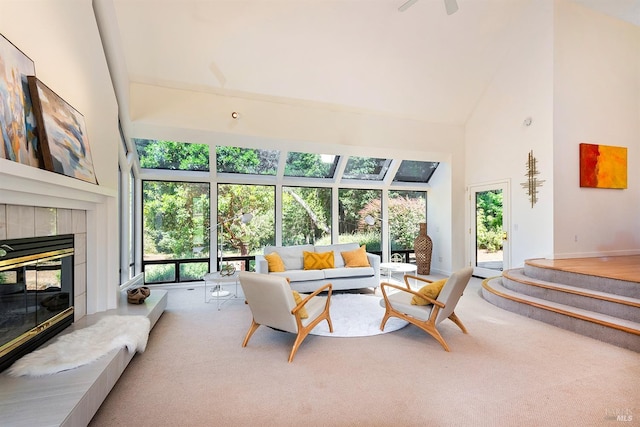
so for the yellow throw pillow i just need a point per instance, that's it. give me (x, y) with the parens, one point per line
(317, 260)
(302, 311)
(276, 265)
(356, 258)
(432, 290)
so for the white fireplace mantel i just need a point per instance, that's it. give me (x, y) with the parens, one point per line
(28, 186)
(22, 184)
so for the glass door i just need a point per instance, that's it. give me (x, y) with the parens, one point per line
(489, 224)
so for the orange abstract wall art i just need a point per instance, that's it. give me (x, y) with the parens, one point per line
(603, 166)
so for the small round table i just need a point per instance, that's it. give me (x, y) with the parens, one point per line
(213, 287)
(398, 267)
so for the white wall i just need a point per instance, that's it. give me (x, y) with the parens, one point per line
(61, 37)
(596, 100)
(498, 143)
(157, 107)
(442, 218)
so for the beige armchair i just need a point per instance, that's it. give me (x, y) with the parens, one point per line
(426, 317)
(272, 304)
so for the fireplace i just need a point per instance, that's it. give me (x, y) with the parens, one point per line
(36, 293)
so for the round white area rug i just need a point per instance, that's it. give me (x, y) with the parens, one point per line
(356, 315)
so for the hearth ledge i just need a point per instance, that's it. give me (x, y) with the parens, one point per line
(72, 398)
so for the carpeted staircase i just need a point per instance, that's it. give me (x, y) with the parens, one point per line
(602, 308)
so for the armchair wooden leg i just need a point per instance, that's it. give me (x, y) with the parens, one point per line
(387, 314)
(304, 331)
(431, 330)
(252, 329)
(330, 324)
(302, 334)
(457, 321)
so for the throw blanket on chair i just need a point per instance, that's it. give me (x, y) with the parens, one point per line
(85, 345)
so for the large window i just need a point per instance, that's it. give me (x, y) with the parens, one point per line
(306, 215)
(132, 221)
(237, 238)
(292, 197)
(354, 206)
(175, 228)
(126, 213)
(122, 229)
(407, 209)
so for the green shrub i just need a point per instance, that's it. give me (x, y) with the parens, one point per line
(405, 215)
(193, 270)
(489, 221)
(490, 240)
(159, 273)
(370, 239)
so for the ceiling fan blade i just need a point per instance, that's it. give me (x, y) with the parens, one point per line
(406, 5)
(451, 6)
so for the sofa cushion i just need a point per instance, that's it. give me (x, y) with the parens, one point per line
(337, 273)
(432, 290)
(291, 255)
(356, 258)
(275, 262)
(317, 260)
(302, 275)
(338, 261)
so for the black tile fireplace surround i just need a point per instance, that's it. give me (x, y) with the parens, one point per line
(36, 293)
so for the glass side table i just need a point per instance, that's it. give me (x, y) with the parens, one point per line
(398, 267)
(214, 284)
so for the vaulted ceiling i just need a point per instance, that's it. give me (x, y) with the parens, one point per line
(358, 54)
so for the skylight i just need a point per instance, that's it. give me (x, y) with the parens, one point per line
(311, 165)
(250, 161)
(415, 171)
(366, 168)
(172, 155)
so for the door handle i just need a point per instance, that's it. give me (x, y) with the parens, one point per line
(504, 235)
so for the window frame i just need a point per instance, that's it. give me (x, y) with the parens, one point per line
(213, 178)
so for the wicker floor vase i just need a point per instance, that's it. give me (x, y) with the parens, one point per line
(423, 246)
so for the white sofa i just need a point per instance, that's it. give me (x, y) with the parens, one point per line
(340, 277)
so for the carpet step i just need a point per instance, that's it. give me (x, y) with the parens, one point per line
(621, 307)
(580, 280)
(620, 332)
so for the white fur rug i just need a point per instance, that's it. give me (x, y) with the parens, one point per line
(356, 315)
(85, 345)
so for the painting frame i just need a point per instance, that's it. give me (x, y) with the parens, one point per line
(17, 120)
(62, 133)
(603, 166)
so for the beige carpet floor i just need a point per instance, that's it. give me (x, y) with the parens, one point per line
(508, 371)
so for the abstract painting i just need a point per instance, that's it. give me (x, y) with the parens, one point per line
(62, 134)
(17, 122)
(603, 166)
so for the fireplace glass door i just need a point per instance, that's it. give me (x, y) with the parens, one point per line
(36, 293)
(31, 295)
